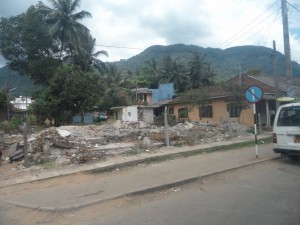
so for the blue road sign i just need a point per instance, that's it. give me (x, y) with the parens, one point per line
(253, 94)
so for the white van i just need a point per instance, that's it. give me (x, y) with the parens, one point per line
(286, 130)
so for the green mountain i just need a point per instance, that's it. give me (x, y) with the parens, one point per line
(226, 62)
(21, 85)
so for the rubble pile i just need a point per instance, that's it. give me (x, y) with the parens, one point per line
(203, 133)
(80, 144)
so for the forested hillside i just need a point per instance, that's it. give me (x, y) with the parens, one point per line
(225, 62)
(21, 84)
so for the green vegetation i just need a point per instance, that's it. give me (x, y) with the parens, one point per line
(50, 46)
(47, 165)
(255, 59)
(3, 100)
(12, 125)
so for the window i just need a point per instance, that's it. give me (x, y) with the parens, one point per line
(289, 116)
(234, 110)
(183, 113)
(206, 111)
(171, 110)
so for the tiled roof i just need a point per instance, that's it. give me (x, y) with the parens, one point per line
(267, 84)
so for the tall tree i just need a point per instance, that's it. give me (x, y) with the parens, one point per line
(3, 100)
(27, 46)
(179, 77)
(197, 71)
(210, 77)
(151, 70)
(166, 69)
(201, 72)
(66, 25)
(115, 92)
(87, 57)
(113, 76)
(71, 91)
(175, 72)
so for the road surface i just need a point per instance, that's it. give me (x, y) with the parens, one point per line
(265, 193)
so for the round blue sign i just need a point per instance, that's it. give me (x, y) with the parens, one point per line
(253, 94)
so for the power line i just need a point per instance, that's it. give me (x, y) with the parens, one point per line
(113, 46)
(248, 27)
(293, 6)
(277, 17)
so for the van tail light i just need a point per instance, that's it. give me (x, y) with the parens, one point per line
(274, 138)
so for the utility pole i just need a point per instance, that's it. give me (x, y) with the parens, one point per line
(240, 74)
(8, 101)
(275, 71)
(26, 163)
(287, 49)
(166, 127)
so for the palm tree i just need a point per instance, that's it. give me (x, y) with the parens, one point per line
(210, 77)
(197, 71)
(65, 25)
(151, 70)
(179, 77)
(87, 57)
(113, 77)
(166, 69)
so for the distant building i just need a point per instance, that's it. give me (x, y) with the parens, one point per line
(22, 102)
(149, 103)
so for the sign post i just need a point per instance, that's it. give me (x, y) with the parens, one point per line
(254, 94)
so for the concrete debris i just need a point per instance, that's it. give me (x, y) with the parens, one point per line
(63, 133)
(81, 144)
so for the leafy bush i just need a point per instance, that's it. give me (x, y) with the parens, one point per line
(14, 124)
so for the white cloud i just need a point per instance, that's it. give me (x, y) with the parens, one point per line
(208, 23)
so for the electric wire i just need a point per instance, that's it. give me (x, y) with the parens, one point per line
(248, 27)
(277, 17)
(113, 46)
(293, 6)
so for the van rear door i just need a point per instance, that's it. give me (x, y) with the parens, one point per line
(287, 127)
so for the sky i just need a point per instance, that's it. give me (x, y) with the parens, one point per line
(124, 28)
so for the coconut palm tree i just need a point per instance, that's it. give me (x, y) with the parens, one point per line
(65, 26)
(87, 57)
(197, 71)
(151, 70)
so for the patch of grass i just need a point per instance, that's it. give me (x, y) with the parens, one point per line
(48, 165)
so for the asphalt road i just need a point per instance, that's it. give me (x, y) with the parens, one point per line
(263, 194)
(266, 193)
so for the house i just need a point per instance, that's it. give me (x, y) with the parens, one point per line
(19, 107)
(22, 102)
(220, 103)
(149, 103)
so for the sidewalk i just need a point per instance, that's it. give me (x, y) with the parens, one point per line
(117, 162)
(141, 179)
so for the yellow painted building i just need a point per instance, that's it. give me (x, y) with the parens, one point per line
(220, 106)
(213, 112)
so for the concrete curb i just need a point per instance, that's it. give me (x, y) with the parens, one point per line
(143, 191)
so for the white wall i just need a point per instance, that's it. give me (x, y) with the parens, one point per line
(130, 114)
(147, 115)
